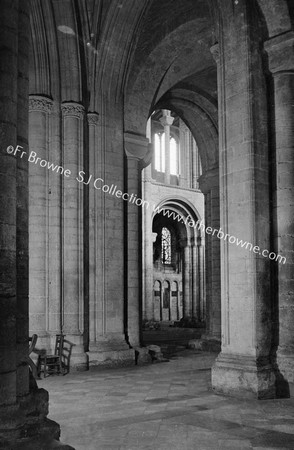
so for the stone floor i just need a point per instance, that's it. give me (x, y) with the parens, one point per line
(162, 406)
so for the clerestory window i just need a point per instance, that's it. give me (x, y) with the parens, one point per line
(159, 147)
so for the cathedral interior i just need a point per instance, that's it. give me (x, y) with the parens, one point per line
(147, 180)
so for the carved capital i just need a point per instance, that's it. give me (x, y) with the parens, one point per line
(209, 180)
(280, 50)
(136, 147)
(93, 118)
(184, 243)
(40, 103)
(166, 119)
(72, 109)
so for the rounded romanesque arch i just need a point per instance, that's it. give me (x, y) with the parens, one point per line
(177, 264)
(278, 16)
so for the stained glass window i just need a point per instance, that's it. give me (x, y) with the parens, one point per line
(165, 246)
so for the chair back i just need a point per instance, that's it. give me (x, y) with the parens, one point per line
(66, 353)
(59, 344)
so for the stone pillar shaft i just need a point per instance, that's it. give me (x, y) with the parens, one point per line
(184, 156)
(23, 410)
(187, 281)
(167, 121)
(147, 254)
(107, 345)
(134, 251)
(72, 231)
(201, 271)
(8, 195)
(243, 367)
(95, 279)
(195, 282)
(136, 148)
(147, 257)
(209, 185)
(39, 189)
(22, 241)
(282, 69)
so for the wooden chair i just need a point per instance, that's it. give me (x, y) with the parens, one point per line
(65, 355)
(51, 363)
(57, 363)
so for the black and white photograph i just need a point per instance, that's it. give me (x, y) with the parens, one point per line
(146, 224)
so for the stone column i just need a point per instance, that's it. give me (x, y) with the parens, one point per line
(23, 407)
(136, 148)
(72, 232)
(148, 240)
(195, 282)
(184, 155)
(201, 274)
(280, 50)
(195, 165)
(95, 279)
(187, 304)
(166, 121)
(107, 345)
(8, 199)
(244, 367)
(39, 191)
(209, 185)
(147, 247)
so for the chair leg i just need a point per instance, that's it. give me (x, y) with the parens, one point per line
(39, 367)
(45, 366)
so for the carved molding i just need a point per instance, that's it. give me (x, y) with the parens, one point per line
(72, 109)
(136, 146)
(209, 181)
(40, 103)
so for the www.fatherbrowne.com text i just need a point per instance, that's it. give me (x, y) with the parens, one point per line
(98, 183)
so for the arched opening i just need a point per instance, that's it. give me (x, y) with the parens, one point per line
(174, 247)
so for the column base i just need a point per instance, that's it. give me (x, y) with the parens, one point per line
(37, 444)
(244, 376)
(286, 365)
(25, 425)
(210, 343)
(111, 351)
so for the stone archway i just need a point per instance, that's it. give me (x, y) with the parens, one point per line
(186, 265)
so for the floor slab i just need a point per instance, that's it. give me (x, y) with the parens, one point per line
(162, 406)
